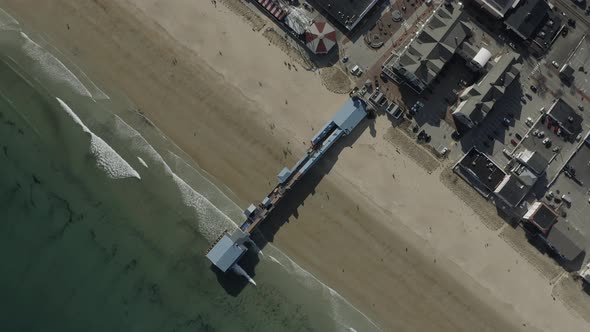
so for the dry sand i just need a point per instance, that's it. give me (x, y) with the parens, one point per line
(386, 234)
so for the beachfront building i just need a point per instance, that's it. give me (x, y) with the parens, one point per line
(347, 13)
(478, 100)
(419, 63)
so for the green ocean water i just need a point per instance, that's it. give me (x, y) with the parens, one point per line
(104, 223)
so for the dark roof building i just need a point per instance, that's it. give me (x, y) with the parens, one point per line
(479, 99)
(511, 190)
(566, 240)
(566, 117)
(347, 12)
(542, 216)
(480, 171)
(533, 161)
(533, 21)
(422, 60)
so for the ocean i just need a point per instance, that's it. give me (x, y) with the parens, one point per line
(104, 222)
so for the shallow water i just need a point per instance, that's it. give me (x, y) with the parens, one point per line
(104, 222)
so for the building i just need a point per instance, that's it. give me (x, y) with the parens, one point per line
(422, 60)
(533, 160)
(497, 8)
(476, 101)
(565, 240)
(347, 13)
(534, 22)
(564, 119)
(511, 191)
(541, 216)
(479, 171)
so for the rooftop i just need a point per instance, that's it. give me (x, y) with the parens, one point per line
(347, 13)
(541, 216)
(480, 171)
(567, 117)
(535, 161)
(479, 99)
(555, 152)
(527, 17)
(228, 250)
(512, 190)
(566, 240)
(423, 59)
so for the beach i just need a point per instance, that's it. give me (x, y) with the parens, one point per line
(368, 222)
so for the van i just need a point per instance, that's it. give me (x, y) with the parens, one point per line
(567, 199)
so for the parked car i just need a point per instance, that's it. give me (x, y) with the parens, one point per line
(506, 122)
(518, 136)
(555, 64)
(529, 122)
(533, 89)
(514, 142)
(571, 22)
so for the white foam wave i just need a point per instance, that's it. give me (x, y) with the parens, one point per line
(276, 260)
(211, 220)
(52, 67)
(338, 303)
(106, 157)
(7, 22)
(141, 161)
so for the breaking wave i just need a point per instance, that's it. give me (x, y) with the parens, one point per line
(52, 67)
(106, 157)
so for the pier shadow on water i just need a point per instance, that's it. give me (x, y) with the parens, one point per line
(288, 209)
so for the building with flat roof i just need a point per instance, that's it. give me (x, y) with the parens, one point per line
(479, 171)
(541, 216)
(497, 8)
(477, 100)
(512, 190)
(533, 160)
(347, 12)
(566, 240)
(423, 59)
(566, 117)
(534, 22)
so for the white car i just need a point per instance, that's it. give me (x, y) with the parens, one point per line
(529, 122)
(555, 64)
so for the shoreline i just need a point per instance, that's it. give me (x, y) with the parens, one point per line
(329, 217)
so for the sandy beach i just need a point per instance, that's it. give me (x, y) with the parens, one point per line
(372, 224)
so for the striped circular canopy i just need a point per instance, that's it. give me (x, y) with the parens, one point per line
(320, 37)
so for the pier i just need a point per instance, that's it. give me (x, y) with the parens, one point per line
(227, 250)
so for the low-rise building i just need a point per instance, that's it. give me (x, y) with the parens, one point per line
(541, 216)
(534, 22)
(565, 119)
(422, 60)
(477, 100)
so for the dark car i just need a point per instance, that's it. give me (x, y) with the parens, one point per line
(571, 22)
(514, 142)
(533, 89)
(518, 136)
(506, 122)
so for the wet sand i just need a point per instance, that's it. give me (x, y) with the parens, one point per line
(372, 224)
